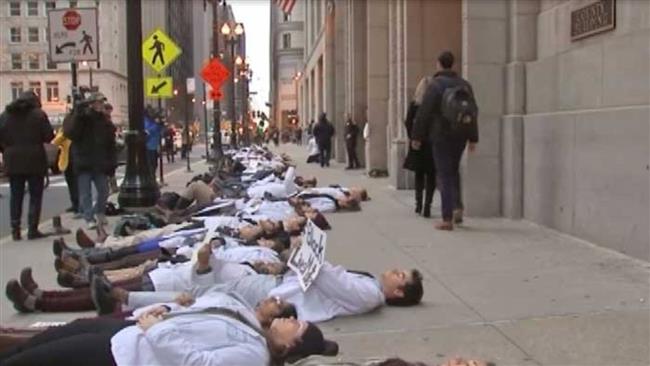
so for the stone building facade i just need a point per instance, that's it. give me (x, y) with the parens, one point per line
(287, 45)
(564, 124)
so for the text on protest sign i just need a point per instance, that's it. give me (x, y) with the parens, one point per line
(307, 260)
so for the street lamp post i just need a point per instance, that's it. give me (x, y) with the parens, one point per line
(232, 35)
(216, 106)
(139, 188)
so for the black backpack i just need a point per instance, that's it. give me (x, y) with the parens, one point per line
(459, 108)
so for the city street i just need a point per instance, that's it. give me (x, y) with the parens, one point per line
(501, 290)
(56, 198)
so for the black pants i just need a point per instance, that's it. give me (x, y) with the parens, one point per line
(325, 153)
(36, 185)
(152, 156)
(73, 187)
(169, 149)
(353, 160)
(82, 342)
(447, 155)
(425, 182)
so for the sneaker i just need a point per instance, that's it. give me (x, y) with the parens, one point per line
(91, 225)
(77, 216)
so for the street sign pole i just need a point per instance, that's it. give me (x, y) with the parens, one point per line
(205, 124)
(216, 109)
(139, 188)
(160, 155)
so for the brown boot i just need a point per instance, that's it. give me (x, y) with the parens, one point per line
(445, 225)
(71, 280)
(83, 240)
(27, 282)
(59, 247)
(23, 301)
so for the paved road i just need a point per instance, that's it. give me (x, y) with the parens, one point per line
(56, 198)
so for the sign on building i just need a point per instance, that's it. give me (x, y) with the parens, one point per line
(73, 34)
(159, 87)
(307, 260)
(594, 18)
(159, 51)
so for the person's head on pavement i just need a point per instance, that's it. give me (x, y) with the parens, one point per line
(294, 224)
(402, 287)
(290, 340)
(349, 203)
(359, 193)
(445, 60)
(318, 218)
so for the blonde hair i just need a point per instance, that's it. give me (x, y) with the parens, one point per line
(422, 87)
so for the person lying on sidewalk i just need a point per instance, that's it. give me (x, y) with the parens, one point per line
(324, 361)
(335, 292)
(266, 311)
(200, 334)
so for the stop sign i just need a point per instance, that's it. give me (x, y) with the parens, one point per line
(71, 20)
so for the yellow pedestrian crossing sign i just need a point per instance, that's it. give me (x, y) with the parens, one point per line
(159, 87)
(159, 51)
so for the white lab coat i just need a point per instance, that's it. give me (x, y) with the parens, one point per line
(278, 190)
(183, 276)
(195, 339)
(335, 292)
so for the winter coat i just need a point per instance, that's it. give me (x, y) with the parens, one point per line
(351, 133)
(422, 159)
(24, 128)
(429, 123)
(323, 132)
(93, 142)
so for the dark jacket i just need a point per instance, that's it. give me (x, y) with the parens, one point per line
(24, 128)
(429, 123)
(323, 132)
(422, 159)
(93, 142)
(351, 133)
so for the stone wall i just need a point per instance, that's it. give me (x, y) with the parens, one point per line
(586, 131)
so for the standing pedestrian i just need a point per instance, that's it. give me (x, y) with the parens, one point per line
(299, 136)
(24, 129)
(448, 117)
(112, 180)
(351, 136)
(420, 161)
(185, 143)
(94, 156)
(323, 132)
(169, 143)
(153, 126)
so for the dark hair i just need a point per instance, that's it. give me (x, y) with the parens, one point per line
(312, 342)
(288, 311)
(446, 60)
(413, 292)
(353, 205)
(321, 222)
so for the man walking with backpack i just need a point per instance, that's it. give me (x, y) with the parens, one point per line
(448, 119)
(323, 132)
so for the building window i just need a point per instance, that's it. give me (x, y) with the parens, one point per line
(14, 9)
(52, 88)
(50, 5)
(33, 34)
(14, 35)
(286, 40)
(51, 65)
(16, 90)
(16, 61)
(34, 61)
(32, 8)
(73, 4)
(35, 86)
(286, 17)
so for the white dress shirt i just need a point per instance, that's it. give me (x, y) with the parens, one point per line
(195, 339)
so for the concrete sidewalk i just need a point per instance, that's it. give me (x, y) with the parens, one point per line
(507, 291)
(496, 289)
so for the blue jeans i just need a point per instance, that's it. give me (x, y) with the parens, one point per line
(100, 181)
(447, 155)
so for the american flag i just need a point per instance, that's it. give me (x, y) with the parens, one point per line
(286, 5)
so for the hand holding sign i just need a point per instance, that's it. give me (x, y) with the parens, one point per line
(308, 258)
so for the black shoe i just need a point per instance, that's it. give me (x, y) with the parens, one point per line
(426, 212)
(59, 246)
(348, 168)
(100, 291)
(16, 234)
(18, 296)
(71, 209)
(35, 234)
